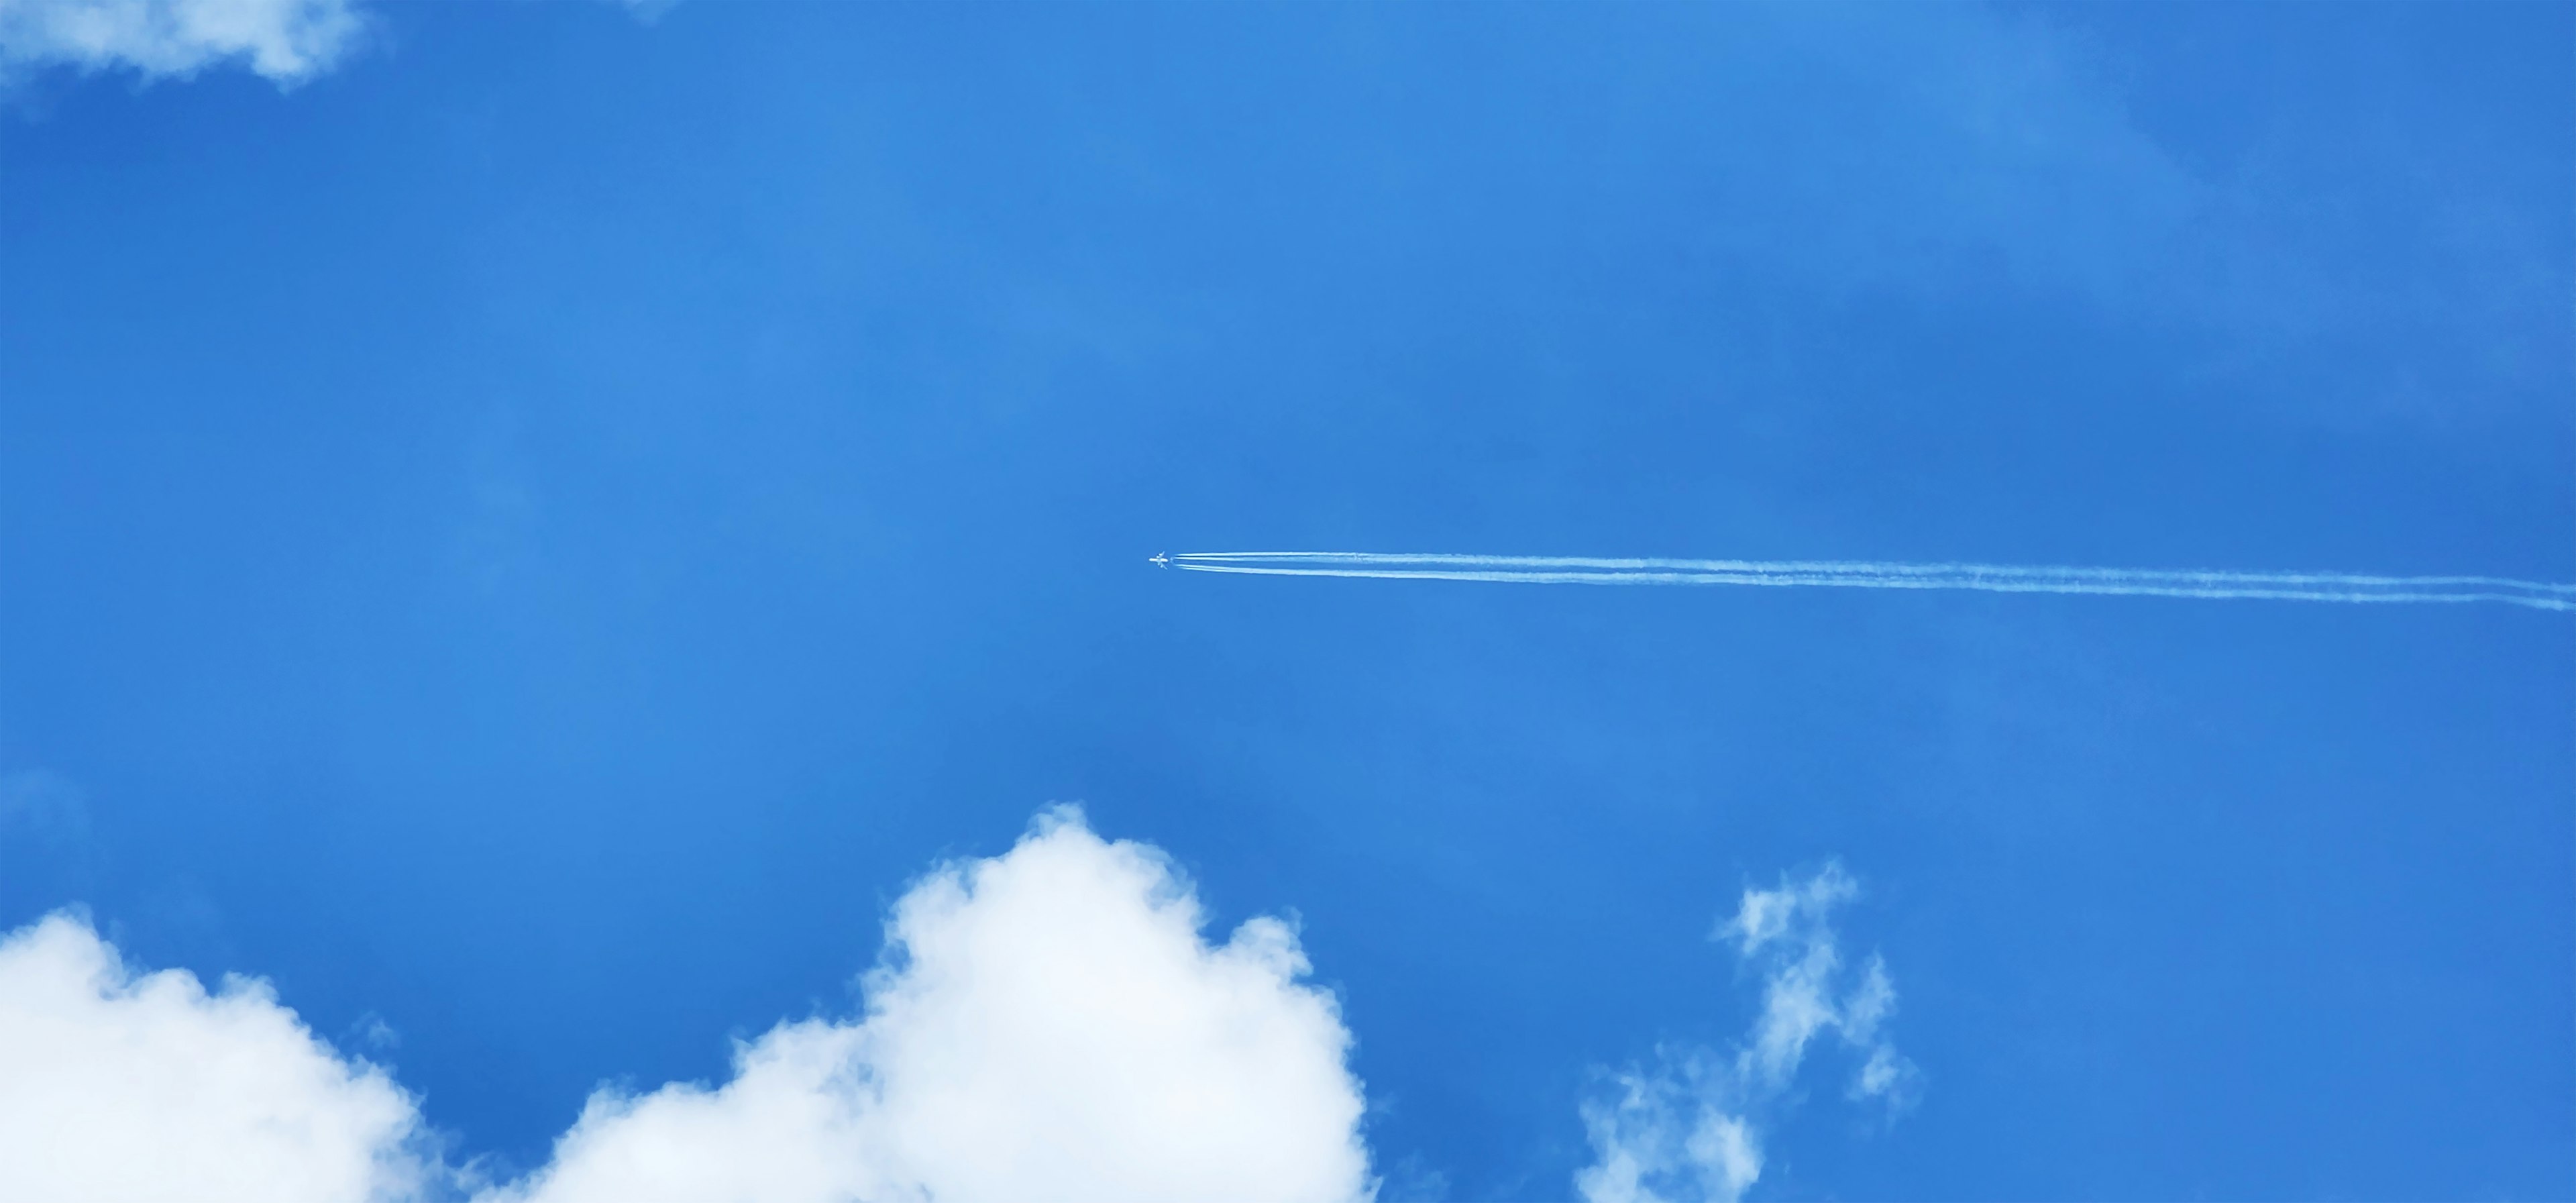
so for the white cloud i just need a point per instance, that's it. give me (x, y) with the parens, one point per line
(115, 1086)
(1686, 1129)
(1047, 1024)
(1675, 1132)
(288, 41)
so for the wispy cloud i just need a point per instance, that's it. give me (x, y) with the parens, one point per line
(1787, 936)
(1046, 1024)
(287, 41)
(1688, 1128)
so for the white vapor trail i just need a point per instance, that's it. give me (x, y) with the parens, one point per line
(1991, 578)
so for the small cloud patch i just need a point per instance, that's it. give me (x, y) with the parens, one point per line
(284, 41)
(1687, 1128)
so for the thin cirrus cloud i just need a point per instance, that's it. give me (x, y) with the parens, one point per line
(285, 41)
(1689, 1128)
(1048, 1023)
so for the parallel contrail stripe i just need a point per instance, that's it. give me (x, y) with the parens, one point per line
(1992, 578)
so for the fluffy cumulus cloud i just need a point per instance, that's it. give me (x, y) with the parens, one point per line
(1047, 1024)
(116, 1086)
(1687, 1127)
(287, 41)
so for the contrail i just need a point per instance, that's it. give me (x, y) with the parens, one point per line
(1991, 578)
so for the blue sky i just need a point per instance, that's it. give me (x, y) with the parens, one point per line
(532, 531)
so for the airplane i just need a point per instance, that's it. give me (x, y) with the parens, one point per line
(1159, 561)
